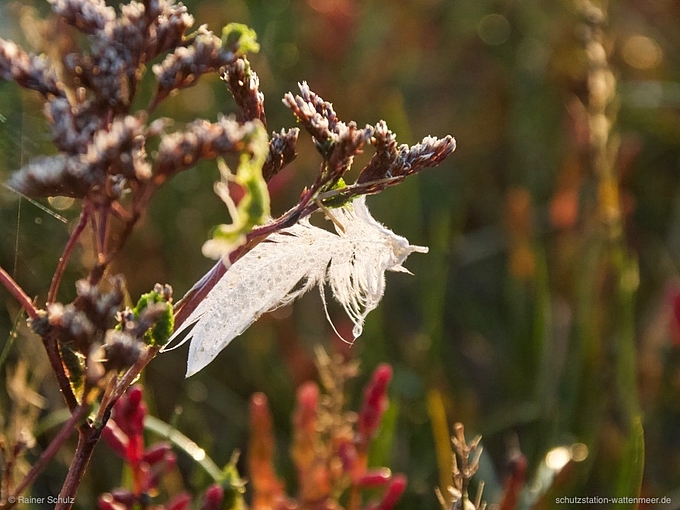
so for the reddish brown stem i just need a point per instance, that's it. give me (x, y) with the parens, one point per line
(90, 436)
(18, 293)
(54, 356)
(103, 233)
(87, 440)
(198, 292)
(49, 341)
(120, 212)
(68, 249)
(55, 445)
(129, 377)
(131, 220)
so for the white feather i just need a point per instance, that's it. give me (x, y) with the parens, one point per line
(289, 263)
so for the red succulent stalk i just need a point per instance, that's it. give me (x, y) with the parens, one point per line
(267, 488)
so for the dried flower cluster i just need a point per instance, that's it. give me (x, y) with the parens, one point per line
(338, 143)
(465, 465)
(103, 138)
(330, 445)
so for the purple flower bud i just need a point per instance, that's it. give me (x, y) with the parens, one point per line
(180, 502)
(213, 497)
(375, 403)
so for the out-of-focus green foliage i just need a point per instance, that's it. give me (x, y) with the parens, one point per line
(535, 327)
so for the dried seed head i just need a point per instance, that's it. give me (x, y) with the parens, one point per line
(109, 74)
(202, 140)
(336, 141)
(112, 158)
(347, 143)
(121, 350)
(73, 326)
(398, 163)
(164, 290)
(281, 152)
(182, 67)
(384, 160)
(244, 85)
(120, 149)
(86, 15)
(169, 28)
(73, 126)
(52, 176)
(40, 325)
(29, 71)
(316, 116)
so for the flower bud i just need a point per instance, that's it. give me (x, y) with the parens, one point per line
(213, 497)
(180, 502)
(375, 403)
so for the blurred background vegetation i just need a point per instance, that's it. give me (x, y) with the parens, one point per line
(533, 320)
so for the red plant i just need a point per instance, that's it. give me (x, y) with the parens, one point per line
(330, 448)
(124, 433)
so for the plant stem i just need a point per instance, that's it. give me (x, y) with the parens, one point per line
(196, 294)
(130, 219)
(68, 249)
(19, 294)
(52, 348)
(49, 341)
(89, 436)
(132, 373)
(87, 440)
(103, 233)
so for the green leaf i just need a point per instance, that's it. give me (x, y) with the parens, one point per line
(253, 209)
(380, 449)
(240, 38)
(629, 479)
(338, 200)
(162, 329)
(233, 485)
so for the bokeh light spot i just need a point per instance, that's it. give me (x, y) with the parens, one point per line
(494, 29)
(557, 458)
(61, 203)
(287, 55)
(642, 52)
(197, 391)
(579, 452)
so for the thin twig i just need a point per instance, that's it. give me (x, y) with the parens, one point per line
(89, 437)
(19, 294)
(195, 295)
(66, 254)
(49, 342)
(102, 235)
(131, 220)
(133, 372)
(87, 440)
(54, 356)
